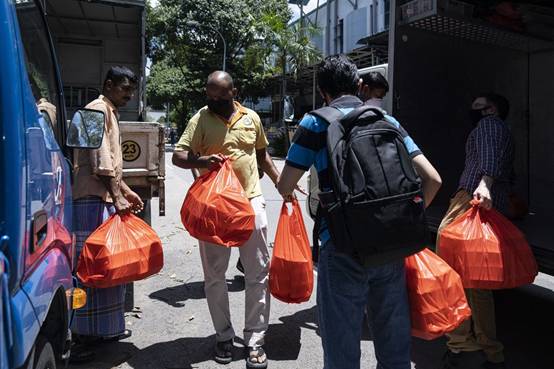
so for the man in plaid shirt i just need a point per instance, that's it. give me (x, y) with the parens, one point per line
(486, 178)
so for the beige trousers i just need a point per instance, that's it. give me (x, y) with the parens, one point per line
(478, 332)
(254, 256)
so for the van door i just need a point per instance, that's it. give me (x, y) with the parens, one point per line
(48, 188)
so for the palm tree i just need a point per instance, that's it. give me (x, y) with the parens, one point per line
(293, 51)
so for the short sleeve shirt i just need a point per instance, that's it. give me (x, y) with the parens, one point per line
(208, 134)
(106, 161)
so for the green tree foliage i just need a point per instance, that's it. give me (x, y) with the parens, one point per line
(183, 54)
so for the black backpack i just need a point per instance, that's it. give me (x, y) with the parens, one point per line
(375, 211)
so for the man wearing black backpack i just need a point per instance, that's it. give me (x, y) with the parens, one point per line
(373, 193)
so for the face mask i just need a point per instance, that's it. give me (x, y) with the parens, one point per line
(378, 103)
(475, 115)
(221, 107)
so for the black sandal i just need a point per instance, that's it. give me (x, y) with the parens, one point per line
(80, 355)
(256, 353)
(224, 352)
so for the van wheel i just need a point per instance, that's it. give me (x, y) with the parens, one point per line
(44, 355)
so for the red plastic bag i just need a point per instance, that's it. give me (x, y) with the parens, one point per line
(487, 250)
(122, 250)
(291, 276)
(438, 302)
(216, 209)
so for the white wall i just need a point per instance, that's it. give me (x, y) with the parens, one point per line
(357, 23)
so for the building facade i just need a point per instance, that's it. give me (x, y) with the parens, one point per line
(357, 28)
(343, 23)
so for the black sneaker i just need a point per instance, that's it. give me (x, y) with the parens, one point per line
(224, 352)
(491, 365)
(452, 360)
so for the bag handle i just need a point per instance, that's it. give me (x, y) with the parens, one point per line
(296, 212)
(295, 208)
(355, 115)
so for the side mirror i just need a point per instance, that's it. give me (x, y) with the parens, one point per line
(86, 129)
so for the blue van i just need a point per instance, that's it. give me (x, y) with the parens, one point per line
(37, 247)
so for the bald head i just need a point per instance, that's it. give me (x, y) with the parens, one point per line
(220, 79)
(220, 93)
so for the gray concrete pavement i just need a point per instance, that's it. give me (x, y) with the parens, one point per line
(172, 327)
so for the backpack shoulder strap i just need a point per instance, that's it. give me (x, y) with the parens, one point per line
(333, 117)
(328, 114)
(363, 112)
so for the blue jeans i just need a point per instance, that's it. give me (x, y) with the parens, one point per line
(344, 288)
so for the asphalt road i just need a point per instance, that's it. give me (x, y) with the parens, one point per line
(172, 327)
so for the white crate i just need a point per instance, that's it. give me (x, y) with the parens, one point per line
(141, 147)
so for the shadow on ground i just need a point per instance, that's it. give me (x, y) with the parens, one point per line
(283, 340)
(182, 353)
(176, 296)
(108, 356)
(525, 326)
(524, 318)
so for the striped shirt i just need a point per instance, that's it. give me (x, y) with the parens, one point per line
(309, 147)
(490, 151)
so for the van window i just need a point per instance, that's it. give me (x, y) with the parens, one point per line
(39, 61)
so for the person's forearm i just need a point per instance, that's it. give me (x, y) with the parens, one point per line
(289, 180)
(125, 189)
(430, 178)
(187, 160)
(431, 187)
(269, 168)
(112, 186)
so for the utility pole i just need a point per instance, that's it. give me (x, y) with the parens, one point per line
(167, 124)
(300, 4)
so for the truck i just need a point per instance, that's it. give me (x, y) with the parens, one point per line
(38, 293)
(442, 53)
(89, 38)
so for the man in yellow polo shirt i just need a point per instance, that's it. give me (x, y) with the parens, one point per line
(225, 127)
